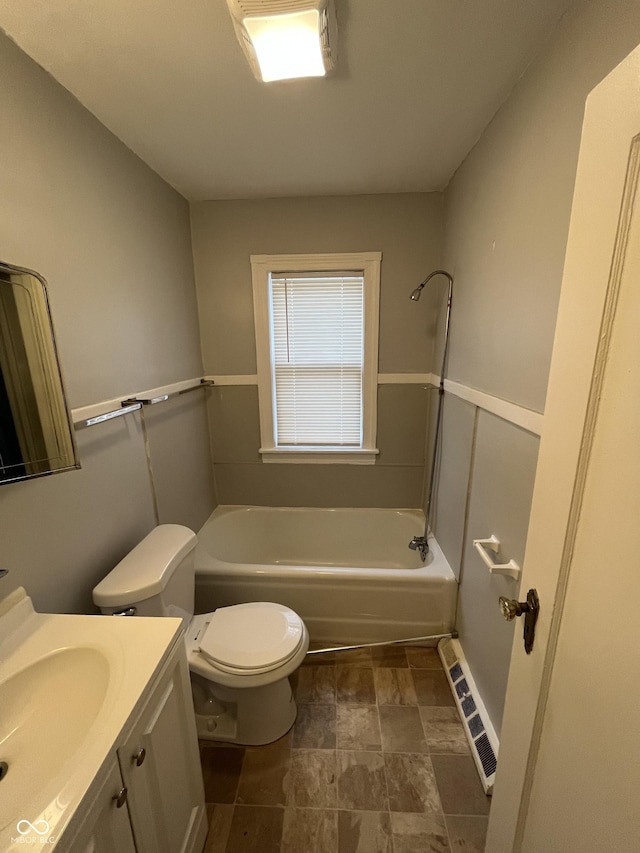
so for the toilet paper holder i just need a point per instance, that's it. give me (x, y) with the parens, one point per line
(482, 546)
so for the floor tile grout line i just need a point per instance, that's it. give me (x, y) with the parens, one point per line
(448, 834)
(384, 763)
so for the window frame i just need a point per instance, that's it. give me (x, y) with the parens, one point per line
(262, 266)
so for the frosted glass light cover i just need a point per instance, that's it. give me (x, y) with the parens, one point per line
(287, 46)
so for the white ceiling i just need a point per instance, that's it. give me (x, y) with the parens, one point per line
(417, 82)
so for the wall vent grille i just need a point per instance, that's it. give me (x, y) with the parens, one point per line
(455, 672)
(462, 688)
(477, 725)
(468, 706)
(487, 756)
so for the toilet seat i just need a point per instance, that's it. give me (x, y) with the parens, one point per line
(254, 638)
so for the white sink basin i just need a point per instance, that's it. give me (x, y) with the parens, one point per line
(47, 710)
(68, 685)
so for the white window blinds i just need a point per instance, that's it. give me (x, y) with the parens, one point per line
(317, 329)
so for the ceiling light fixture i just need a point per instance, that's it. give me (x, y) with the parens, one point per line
(283, 39)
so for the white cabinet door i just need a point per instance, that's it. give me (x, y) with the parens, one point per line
(108, 829)
(161, 768)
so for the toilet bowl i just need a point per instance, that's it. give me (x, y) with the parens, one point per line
(241, 671)
(240, 657)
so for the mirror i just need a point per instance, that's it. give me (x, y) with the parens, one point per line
(36, 433)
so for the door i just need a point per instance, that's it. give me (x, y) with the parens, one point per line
(569, 773)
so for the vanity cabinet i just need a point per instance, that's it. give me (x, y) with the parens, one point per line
(152, 797)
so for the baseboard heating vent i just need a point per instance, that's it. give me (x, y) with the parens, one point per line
(477, 725)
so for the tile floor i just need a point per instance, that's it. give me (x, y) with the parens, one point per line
(377, 762)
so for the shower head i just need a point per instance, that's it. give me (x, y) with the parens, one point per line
(415, 294)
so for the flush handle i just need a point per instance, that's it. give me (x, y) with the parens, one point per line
(510, 609)
(128, 611)
(120, 798)
(139, 756)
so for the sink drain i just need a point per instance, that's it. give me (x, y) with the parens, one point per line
(4, 768)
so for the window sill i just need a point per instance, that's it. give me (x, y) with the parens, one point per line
(313, 456)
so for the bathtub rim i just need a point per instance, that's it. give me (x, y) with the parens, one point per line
(436, 566)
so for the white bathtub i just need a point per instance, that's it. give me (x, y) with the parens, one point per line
(347, 572)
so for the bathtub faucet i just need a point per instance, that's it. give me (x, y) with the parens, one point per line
(419, 543)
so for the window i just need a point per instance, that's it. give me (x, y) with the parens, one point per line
(316, 320)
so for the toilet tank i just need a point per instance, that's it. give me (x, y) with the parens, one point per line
(157, 577)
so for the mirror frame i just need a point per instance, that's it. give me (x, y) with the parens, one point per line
(61, 423)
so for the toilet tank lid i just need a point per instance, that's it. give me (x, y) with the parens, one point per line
(147, 569)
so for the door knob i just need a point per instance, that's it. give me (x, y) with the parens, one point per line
(139, 756)
(511, 608)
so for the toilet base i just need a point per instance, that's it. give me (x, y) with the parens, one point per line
(252, 715)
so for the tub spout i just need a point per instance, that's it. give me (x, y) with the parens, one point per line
(419, 543)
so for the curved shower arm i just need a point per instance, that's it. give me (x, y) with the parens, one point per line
(415, 296)
(431, 275)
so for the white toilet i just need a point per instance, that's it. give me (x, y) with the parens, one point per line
(240, 657)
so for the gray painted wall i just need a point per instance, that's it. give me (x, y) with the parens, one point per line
(503, 472)
(113, 242)
(408, 231)
(506, 222)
